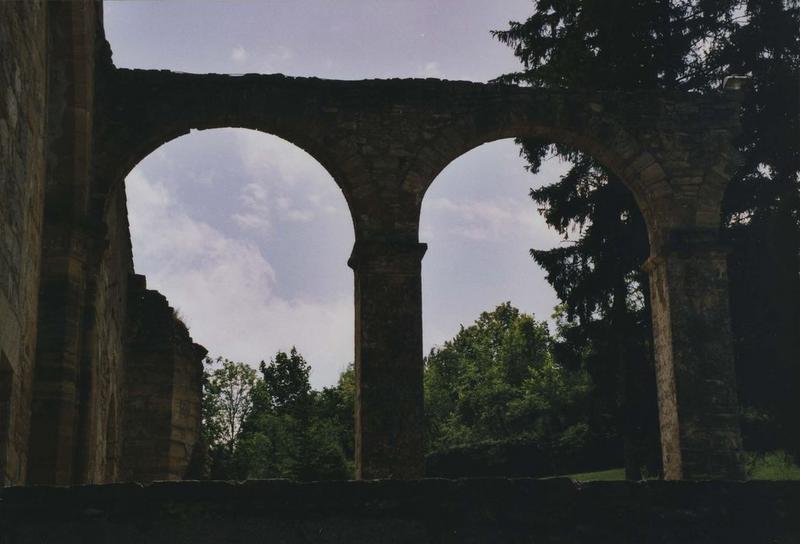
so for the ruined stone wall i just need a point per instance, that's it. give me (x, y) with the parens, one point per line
(65, 264)
(162, 387)
(115, 369)
(23, 81)
(187, 390)
(105, 352)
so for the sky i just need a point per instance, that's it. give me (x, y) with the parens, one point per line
(248, 236)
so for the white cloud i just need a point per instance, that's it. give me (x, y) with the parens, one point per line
(255, 214)
(277, 59)
(300, 216)
(480, 219)
(239, 54)
(303, 186)
(430, 69)
(225, 287)
(252, 221)
(266, 156)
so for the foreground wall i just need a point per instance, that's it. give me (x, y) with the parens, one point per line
(426, 511)
(23, 76)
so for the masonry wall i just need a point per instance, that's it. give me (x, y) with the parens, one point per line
(23, 82)
(162, 386)
(65, 261)
(104, 356)
(62, 377)
(186, 457)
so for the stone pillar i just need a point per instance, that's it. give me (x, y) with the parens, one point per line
(389, 410)
(56, 390)
(698, 408)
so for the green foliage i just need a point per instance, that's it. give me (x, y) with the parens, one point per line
(497, 380)
(284, 428)
(688, 45)
(610, 475)
(775, 465)
(284, 387)
(227, 401)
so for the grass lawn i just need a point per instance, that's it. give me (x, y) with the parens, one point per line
(603, 475)
(772, 466)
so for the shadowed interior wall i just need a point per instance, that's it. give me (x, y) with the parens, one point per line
(103, 360)
(23, 78)
(63, 380)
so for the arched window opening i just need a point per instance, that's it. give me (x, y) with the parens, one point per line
(247, 237)
(537, 321)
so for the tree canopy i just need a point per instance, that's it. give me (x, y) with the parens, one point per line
(687, 45)
(284, 429)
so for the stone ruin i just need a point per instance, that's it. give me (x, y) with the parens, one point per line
(100, 383)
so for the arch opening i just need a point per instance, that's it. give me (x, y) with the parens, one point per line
(552, 335)
(602, 138)
(246, 236)
(233, 198)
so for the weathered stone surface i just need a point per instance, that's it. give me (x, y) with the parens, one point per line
(23, 77)
(61, 418)
(384, 141)
(389, 407)
(163, 383)
(435, 511)
(63, 407)
(698, 409)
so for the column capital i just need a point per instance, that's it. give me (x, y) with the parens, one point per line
(687, 243)
(387, 254)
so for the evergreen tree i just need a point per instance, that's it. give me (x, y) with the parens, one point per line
(762, 211)
(687, 45)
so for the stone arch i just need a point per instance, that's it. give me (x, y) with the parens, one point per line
(602, 137)
(677, 168)
(321, 175)
(384, 142)
(146, 147)
(143, 148)
(498, 261)
(162, 106)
